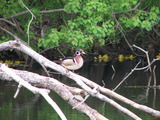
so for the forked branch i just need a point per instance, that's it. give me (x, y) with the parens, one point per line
(35, 90)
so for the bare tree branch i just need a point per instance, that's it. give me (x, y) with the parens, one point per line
(41, 12)
(154, 76)
(11, 34)
(84, 83)
(35, 90)
(126, 76)
(18, 90)
(29, 21)
(7, 21)
(146, 52)
(135, 8)
(121, 31)
(156, 31)
(66, 92)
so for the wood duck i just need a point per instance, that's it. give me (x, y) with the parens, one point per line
(73, 63)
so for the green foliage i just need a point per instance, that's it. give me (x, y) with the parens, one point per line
(12, 7)
(4, 39)
(51, 40)
(93, 22)
(144, 20)
(9, 7)
(90, 22)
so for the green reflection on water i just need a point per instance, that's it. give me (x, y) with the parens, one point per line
(27, 107)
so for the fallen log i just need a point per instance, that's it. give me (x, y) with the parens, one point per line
(90, 87)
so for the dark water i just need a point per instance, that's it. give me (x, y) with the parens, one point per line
(28, 107)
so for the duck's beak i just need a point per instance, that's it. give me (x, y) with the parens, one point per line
(83, 52)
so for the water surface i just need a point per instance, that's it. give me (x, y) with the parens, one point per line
(27, 106)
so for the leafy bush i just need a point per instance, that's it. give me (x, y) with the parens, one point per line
(87, 23)
(93, 22)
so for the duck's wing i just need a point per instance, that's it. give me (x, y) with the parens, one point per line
(68, 61)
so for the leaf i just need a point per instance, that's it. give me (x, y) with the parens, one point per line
(147, 25)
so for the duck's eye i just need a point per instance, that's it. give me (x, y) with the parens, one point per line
(77, 53)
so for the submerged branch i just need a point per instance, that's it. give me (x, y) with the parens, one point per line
(127, 76)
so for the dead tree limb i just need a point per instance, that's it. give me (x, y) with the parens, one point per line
(41, 12)
(83, 82)
(147, 55)
(35, 90)
(66, 92)
(126, 76)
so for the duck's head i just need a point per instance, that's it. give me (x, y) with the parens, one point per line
(79, 52)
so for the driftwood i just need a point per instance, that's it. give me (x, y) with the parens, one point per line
(67, 92)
